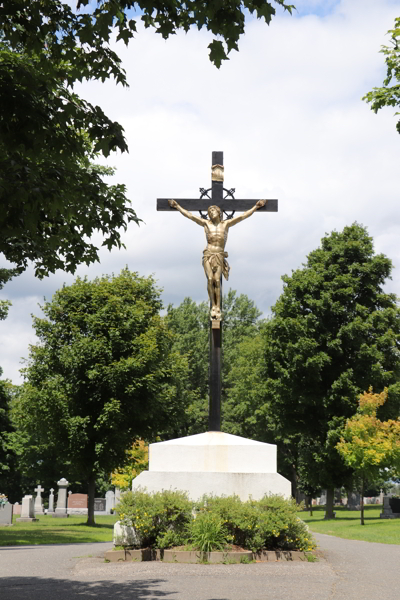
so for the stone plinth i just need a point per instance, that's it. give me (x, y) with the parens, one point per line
(214, 463)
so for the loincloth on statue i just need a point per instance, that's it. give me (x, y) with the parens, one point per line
(215, 260)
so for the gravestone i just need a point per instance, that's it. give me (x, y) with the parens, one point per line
(39, 500)
(77, 504)
(61, 510)
(100, 505)
(6, 514)
(17, 509)
(110, 501)
(353, 501)
(387, 511)
(51, 502)
(27, 510)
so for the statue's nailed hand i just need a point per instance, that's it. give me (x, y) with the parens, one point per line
(173, 203)
(261, 203)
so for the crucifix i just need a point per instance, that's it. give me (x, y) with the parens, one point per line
(211, 209)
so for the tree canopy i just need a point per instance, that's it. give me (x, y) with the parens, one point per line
(52, 195)
(334, 333)
(190, 322)
(389, 93)
(101, 377)
(369, 445)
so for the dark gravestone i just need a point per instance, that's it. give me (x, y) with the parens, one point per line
(100, 504)
(395, 504)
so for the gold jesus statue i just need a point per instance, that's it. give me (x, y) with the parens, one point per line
(214, 256)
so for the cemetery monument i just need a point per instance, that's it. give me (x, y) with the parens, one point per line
(215, 462)
(27, 510)
(39, 500)
(61, 510)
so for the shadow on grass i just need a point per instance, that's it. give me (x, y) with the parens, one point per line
(343, 514)
(95, 526)
(37, 588)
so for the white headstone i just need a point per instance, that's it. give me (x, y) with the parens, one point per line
(51, 501)
(28, 509)
(6, 513)
(38, 500)
(110, 501)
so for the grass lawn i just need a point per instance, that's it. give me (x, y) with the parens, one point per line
(51, 530)
(347, 525)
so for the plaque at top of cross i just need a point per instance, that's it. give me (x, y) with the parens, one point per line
(216, 227)
(214, 257)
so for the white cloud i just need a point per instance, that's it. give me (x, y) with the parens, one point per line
(287, 112)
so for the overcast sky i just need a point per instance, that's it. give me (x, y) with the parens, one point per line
(287, 113)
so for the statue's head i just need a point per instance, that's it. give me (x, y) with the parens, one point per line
(214, 211)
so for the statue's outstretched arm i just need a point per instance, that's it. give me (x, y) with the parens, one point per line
(186, 213)
(246, 214)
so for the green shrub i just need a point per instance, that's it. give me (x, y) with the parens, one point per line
(207, 532)
(270, 523)
(164, 519)
(160, 520)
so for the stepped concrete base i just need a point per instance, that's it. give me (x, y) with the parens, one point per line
(214, 463)
(244, 485)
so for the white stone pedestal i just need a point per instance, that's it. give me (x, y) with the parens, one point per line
(214, 463)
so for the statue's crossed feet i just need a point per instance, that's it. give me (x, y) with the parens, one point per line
(216, 313)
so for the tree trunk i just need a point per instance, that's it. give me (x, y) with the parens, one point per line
(330, 498)
(91, 494)
(362, 501)
(309, 502)
(294, 483)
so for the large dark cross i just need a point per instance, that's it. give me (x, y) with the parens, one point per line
(223, 198)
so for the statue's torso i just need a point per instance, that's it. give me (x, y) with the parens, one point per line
(216, 236)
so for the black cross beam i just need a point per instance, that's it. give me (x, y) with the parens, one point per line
(219, 197)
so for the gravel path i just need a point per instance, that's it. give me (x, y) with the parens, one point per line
(350, 570)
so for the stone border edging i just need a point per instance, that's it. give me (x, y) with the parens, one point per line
(193, 557)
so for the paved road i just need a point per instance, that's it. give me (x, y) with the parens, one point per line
(351, 570)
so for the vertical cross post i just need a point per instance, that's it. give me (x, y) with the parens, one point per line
(226, 204)
(216, 333)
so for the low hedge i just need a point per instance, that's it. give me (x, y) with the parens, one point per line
(168, 519)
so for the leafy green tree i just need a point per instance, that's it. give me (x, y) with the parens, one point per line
(52, 195)
(334, 332)
(369, 445)
(10, 479)
(389, 93)
(190, 322)
(102, 376)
